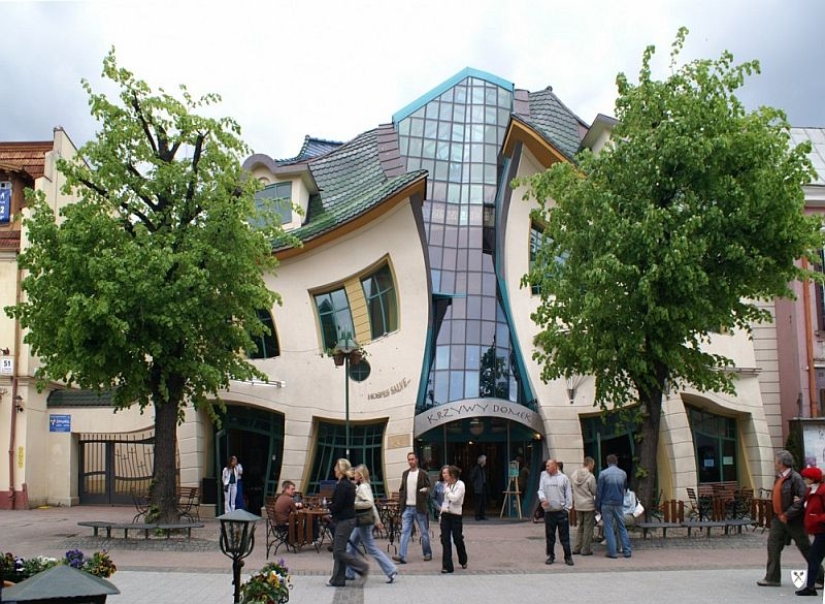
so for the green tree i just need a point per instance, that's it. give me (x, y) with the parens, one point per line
(675, 231)
(150, 283)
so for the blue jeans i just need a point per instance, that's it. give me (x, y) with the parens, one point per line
(613, 516)
(407, 516)
(364, 533)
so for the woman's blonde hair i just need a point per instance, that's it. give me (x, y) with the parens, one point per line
(343, 467)
(363, 471)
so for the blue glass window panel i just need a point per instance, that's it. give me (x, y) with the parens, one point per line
(491, 134)
(505, 98)
(478, 95)
(472, 357)
(416, 127)
(441, 387)
(334, 315)
(436, 278)
(476, 175)
(464, 216)
(429, 149)
(414, 163)
(415, 147)
(502, 335)
(491, 154)
(490, 114)
(489, 195)
(488, 330)
(430, 129)
(457, 152)
(441, 172)
(457, 134)
(382, 305)
(477, 114)
(488, 284)
(473, 332)
(445, 112)
(457, 350)
(442, 357)
(503, 116)
(476, 194)
(477, 152)
(490, 174)
(447, 96)
(439, 189)
(452, 215)
(477, 133)
(444, 131)
(419, 112)
(435, 256)
(460, 94)
(428, 165)
(438, 212)
(266, 344)
(448, 281)
(404, 128)
(453, 191)
(471, 384)
(403, 145)
(459, 113)
(454, 173)
(456, 385)
(488, 312)
(432, 110)
(442, 151)
(491, 95)
(457, 335)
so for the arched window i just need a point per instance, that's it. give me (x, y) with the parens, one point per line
(714, 438)
(266, 345)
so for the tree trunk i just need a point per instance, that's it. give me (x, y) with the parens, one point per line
(646, 450)
(163, 493)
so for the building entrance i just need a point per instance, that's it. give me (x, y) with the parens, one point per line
(256, 438)
(461, 442)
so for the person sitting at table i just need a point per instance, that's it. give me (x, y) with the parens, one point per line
(286, 504)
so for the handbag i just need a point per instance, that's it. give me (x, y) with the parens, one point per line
(364, 518)
(638, 510)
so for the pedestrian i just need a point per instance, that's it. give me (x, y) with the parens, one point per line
(610, 489)
(556, 497)
(230, 478)
(452, 526)
(814, 521)
(478, 478)
(365, 502)
(413, 495)
(787, 523)
(342, 509)
(583, 484)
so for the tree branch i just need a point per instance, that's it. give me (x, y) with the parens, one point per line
(143, 122)
(146, 199)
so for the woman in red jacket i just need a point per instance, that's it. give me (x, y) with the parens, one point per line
(814, 525)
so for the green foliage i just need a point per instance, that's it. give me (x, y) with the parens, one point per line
(150, 283)
(686, 220)
(692, 215)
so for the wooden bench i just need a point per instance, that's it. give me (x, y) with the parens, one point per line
(672, 514)
(166, 529)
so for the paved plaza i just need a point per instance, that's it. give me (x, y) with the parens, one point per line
(506, 563)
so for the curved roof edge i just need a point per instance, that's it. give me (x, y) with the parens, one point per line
(467, 72)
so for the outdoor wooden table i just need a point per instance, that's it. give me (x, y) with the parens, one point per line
(301, 530)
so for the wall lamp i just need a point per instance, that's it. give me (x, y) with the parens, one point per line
(18, 403)
(5, 351)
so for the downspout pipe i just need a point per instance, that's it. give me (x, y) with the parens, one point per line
(809, 344)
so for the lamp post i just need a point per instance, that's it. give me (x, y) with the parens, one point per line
(346, 347)
(237, 542)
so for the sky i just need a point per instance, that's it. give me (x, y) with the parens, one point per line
(334, 69)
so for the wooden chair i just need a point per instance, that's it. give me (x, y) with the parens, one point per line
(276, 534)
(189, 504)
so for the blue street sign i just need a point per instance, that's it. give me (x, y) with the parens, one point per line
(60, 423)
(5, 205)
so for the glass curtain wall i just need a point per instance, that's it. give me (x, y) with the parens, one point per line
(456, 137)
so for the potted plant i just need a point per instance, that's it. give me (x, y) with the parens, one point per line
(270, 585)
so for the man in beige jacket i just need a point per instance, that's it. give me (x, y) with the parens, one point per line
(584, 501)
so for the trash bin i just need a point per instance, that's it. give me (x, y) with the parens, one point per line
(209, 491)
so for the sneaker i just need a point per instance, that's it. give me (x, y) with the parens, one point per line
(399, 559)
(806, 591)
(392, 577)
(766, 583)
(550, 560)
(568, 561)
(428, 557)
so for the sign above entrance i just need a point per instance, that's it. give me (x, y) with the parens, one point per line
(60, 423)
(480, 407)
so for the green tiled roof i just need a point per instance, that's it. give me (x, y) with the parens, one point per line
(79, 398)
(555, 122)
(351, 181)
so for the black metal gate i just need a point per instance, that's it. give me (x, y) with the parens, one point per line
(114, 466)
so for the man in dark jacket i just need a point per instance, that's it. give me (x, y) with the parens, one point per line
(478, 476)
(787, 524)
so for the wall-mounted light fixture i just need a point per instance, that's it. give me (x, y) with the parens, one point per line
(5, 351)
(18, 403)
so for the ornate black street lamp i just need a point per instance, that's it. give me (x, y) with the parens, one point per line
(237, 542)
(347, 348)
